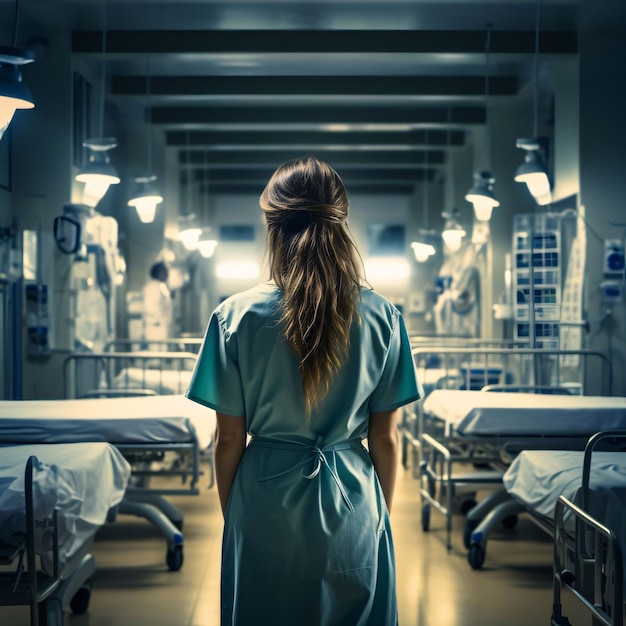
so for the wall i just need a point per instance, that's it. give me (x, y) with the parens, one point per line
(603, 166)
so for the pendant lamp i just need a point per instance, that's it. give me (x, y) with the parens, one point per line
(14, 94)
(98, 174)
(422, 247)
(146, 196)
(534, 171)
(481, 194)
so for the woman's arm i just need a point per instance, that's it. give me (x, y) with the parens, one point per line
(229, 447)
(384, 447)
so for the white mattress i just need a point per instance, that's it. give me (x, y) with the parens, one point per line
(81, 480)
(508, 414)
(137, 420)
(538, 477)
(157, 380)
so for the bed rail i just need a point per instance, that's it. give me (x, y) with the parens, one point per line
(477, 367)
(597, 549)
(30, 586)
(170, 344)
(89, 374)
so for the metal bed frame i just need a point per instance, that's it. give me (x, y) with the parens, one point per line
(101, 375)
(90, 373)
(45, 593)
(436, 452)
(170, 344)
(597, 578)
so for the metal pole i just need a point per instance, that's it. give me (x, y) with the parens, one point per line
(15, 325)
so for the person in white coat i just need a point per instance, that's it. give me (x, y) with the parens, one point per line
(157, 306)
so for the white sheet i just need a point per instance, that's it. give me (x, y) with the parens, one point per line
(479, 413)
(159, 381)
(81, 480)
(538, 477)
(137, 420)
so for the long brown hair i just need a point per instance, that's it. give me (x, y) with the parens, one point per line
(315, 263)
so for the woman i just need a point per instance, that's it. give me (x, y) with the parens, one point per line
(308, 364)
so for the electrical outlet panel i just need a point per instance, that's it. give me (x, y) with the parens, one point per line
(613, 257)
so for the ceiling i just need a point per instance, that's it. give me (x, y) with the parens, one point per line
(380, 89)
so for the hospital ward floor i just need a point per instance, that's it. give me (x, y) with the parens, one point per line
(133, 587)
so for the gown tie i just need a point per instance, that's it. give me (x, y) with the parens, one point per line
(318, 459)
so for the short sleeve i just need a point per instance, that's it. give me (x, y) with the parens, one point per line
(216, 380)
(398, 384)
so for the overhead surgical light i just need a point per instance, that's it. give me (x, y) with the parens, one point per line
(533, 170)
(145, 198)
(481, 194)
(482, 197)
(145, 195)
(453, 232)
(98, 174)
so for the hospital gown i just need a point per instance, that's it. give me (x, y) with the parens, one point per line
(307, 539)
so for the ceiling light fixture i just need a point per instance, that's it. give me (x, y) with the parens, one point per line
(481, 194)
(207, 241)
(453, 232)
(99, 174)
(534, 171)
(189, 233)
(146, 195)
(14, 94)
(422, 248)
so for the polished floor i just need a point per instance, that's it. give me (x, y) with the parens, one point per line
(132, 585)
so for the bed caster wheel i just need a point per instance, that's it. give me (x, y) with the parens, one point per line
(476, 556)
(425, 517)
(174, 558)
(50, 613)
(467, 506)
(80, 601)
(470, 527)
(510, 521)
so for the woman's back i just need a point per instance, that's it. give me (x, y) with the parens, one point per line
(267, 388)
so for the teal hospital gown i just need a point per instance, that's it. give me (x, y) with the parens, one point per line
(307, 540)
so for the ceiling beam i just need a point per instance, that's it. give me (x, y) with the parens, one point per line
(323, 114)
(418, 138)
(376, 158)
(327, 41)
(350, 175)
(313, 85)
(250, 187)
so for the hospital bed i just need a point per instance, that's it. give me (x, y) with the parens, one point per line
(53, 499)
(143, 429)
(497, 368)
(481, 433)
(101, 374)
(579, 498)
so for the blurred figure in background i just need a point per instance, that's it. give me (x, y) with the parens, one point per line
(157, 307)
